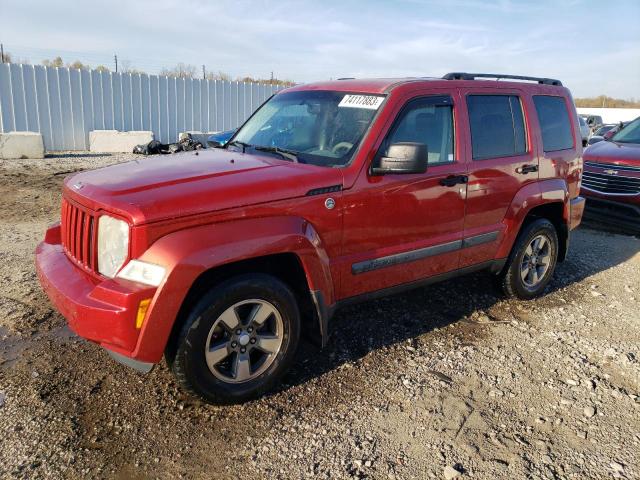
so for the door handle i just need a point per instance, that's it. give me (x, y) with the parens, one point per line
(452, 180)
(524, 169)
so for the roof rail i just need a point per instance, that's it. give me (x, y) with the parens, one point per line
(497, 76)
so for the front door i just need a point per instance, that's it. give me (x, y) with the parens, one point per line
(399, 228)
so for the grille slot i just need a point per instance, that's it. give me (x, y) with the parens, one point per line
(613, 184)
(78, 234)
(612, 165)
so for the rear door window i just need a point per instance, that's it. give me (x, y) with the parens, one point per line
(554, 122)
(497, 126)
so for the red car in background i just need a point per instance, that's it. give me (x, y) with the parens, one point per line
(611, 178)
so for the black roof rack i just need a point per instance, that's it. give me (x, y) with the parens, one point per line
(473, 76)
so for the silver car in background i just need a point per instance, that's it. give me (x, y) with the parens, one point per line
(585, 131)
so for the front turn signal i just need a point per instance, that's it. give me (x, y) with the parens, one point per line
(142, 312)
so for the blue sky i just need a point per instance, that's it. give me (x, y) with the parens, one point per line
(592, 46)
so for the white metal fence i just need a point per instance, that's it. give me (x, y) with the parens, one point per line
(64, 104)
(612, 115)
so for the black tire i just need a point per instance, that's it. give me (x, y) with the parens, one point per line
(189, 365)
(510, 278)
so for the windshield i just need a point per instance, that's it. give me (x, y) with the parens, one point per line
(319, 127)
(629, 134)
(603, 130)
(582, 121)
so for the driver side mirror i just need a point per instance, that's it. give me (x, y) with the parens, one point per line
(402, 157)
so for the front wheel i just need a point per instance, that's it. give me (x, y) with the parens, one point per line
(532, 260)
(238, 340)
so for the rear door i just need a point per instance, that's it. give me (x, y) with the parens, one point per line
(502, 160)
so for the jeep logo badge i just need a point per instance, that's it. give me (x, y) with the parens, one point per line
(329, 203)
(611, 172)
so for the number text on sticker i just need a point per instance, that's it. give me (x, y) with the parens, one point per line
(371, 102)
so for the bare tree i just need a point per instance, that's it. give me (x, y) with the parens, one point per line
(78, 65)
(603, 100)
(56, 62)
(269, 81)
(219, 76)
(181, 70)
(10, 58)
(186, 70)
(127, 67)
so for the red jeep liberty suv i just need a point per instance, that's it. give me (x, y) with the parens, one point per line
(330, 193)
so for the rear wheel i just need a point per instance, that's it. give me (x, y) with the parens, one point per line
(532, 260)
(238, 340)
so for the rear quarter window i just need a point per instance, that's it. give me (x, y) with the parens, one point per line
(554, 122)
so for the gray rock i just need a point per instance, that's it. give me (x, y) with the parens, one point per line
(451, 472)
(617, 467)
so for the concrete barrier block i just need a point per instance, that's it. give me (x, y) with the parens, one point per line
(197, 136)
(21, 145)
(113, 141)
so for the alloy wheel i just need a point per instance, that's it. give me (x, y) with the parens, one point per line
(536, 261)
(244, 341)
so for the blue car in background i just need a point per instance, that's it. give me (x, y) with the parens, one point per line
(220, 139)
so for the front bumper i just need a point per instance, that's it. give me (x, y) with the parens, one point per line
(623, 214)
(101, 310)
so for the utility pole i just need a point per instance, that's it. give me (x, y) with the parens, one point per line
(204, 73)
(115, 58)
(2, 52)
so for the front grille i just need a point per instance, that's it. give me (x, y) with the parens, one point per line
(627, 168)
(612, 184)
(78, 234)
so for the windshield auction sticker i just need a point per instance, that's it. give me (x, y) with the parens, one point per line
(371, 102)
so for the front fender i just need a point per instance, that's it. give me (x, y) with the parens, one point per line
(186, 254)
(529, 197)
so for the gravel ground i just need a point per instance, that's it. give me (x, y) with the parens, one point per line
(449, 381)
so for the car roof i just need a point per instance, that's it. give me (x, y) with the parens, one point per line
(364, 85)
(386, 85)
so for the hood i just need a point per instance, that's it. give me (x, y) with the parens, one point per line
(169, 186)
(615, 153)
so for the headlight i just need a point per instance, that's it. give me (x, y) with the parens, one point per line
(113, 245)
(142, 272)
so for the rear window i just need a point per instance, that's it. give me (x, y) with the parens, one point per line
(497, 126)
(554, 122)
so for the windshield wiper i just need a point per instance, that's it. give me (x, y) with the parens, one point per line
(284, 153)
(237, 143)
